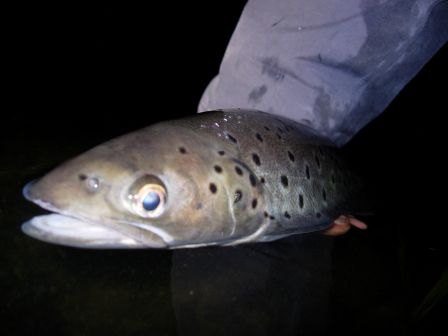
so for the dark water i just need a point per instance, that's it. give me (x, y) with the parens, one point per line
(87, 75)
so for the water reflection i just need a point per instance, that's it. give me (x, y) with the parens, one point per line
(280, 288)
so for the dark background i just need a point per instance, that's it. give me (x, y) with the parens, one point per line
(82, 74)
(75, 67)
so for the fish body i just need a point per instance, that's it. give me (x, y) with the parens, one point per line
(218, 178)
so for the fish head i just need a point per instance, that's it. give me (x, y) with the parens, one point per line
(161, 187)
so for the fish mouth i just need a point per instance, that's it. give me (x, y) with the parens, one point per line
(63, 228)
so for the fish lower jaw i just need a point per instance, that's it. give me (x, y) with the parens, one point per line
(69, 231)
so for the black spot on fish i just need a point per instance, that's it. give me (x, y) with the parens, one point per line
(218, 169)
(253, 180)
(307, 172)
(324, 194)
(254, 203)
(221, 153)
(82, 177)
(317, 161)
(318, 215)
(279, 129)
(182, 150)
(238, 170)
(256, 159)
(287, 215)
(271, 217)
(284, 180)
(213, 188)
(301, 201)
(291, 156)
(258, 136)
(266, 214)
(238, 195)
(278, 136)
(231, 138)
(262, 180)
(266, 128)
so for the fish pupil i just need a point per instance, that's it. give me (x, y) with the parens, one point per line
(151, 201)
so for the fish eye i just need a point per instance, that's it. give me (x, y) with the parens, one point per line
(149, 201)
(147, 197)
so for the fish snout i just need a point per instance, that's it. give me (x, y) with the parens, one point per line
(27, 190)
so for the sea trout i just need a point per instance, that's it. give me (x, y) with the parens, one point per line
(218, 178)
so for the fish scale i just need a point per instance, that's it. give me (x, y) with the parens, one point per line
(218, 178)
(279, 136)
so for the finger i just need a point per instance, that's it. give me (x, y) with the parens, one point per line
(357, 223)
(340, 226)
(341, 220)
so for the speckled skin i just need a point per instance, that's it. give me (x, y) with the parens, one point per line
(310, 201)
(231, 177)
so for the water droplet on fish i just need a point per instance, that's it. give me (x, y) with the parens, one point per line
(299, 28)
(216, 124)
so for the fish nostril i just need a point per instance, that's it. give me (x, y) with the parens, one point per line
(92, 184)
